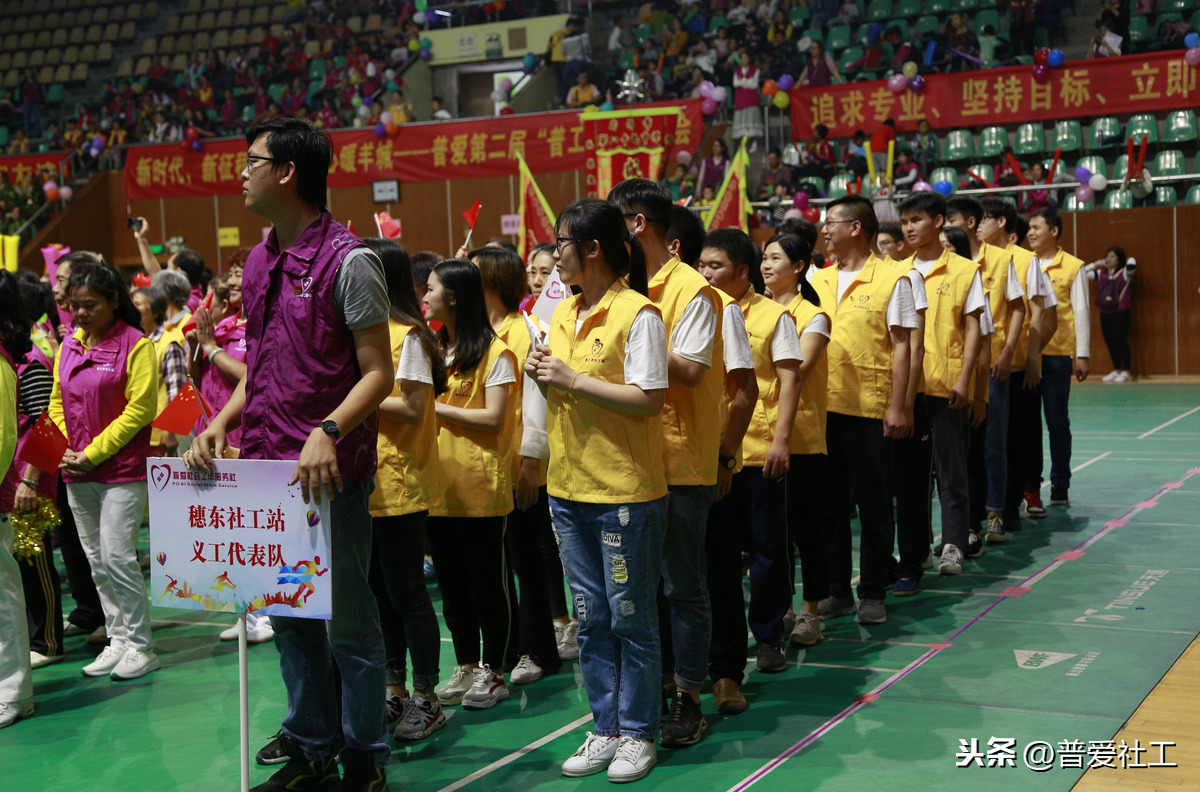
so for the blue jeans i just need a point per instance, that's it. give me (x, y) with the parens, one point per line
(612, 554)
(1057, 371)
(685, 581)
(995, 447)
(352, 638)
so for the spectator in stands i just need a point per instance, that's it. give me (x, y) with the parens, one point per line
(619, 38)
(1142, 189)
(577, 50)
(32, 99)
(747, 110)
(779, 24)
(906, 173)
(961, 39)
(855, 158)
(773, 173)
(19, 143)
(819, 69)
(988, 46)
(1007, 172)
(583, 93)
(712, 171)
(1171, 35)
(924, 146)
(1020, 25)
(1106, 43)
(1031, 201)
(680, 184)
(883, 134)
(439, 111)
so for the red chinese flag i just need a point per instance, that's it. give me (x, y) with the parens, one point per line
(389, 227)
(180, 415)
(44, 446)
(471, 215)
(190, 324)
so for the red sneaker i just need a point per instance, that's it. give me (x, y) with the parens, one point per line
(1033, 506)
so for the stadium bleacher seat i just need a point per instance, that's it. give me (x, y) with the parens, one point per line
(1142, 124)
(1094, 164)
(1118, 199)
(958, 144)
(848, 56)
(944, 173)
(1180, 127)
(879, 10)
(937, 6)
(1193, 195)
(1031, 139)
(908, 8)
(838, 38)
(837, 185)
(984, 18)
(984, 171)
(1120, 168)
(1169, 163)
(1105, 127)
(1068, 135)
(1139, 32)
(1072, 204)
(992, 141)
(1166, 195)
(926, 25)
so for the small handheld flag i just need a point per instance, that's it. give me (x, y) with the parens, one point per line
(44, 446)
(180, 415)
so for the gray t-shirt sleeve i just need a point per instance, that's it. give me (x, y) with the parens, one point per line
(360, 290)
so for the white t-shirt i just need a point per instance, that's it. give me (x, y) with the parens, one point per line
(646, 352)
(414, 364)
(1038, 285)
(920, 298)
(819, 325)
(502, 373)
(785, 344)
(987, 324)
(694, 334)
(737, 344)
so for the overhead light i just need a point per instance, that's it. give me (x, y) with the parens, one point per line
(440, 12)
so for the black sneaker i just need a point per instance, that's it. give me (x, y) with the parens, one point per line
(685, 723)
(278, 750)
(974, 545)
(771, 657)
(364, 779)
(1058, 496)
(303, 775)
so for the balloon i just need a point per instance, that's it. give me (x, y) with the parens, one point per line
(506, 85)
(897, 83)
(391, 129)
(1041, 56)
(943, 187)
(356, 101)
(606, 106)
(425, 55)
(489, 9)
(426, 44)
(389, 74)
(1055, 58)
(708, 107)
(48, 186)
(197, 145)
(909, 69)
(1041, 73)
(786, 82)
(385, 117)
(419, 18)
(414, 45)
(1082, 175)
(916, 84)
(507, 110)
(793, 214)
(98, 143)
(186, 145)
(706, 89)
(781, 99)
(1098, 182)
(684, 157)
(499, 5)
(1191, 40)
(95, 152)
(530, 60)
(770, 88)
(367, 100)
(52, 194)
(1192, 56)
(363, 112)
(922, 186)
(191, 133)
(422, 5)
(380, 129)
(719, 94)
(800, 199)
(66, 193)
(811, 213)
(1083, 194)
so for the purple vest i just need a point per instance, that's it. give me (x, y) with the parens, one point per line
(48, 482)
(301, 362)
(92, 383)
(214, 385)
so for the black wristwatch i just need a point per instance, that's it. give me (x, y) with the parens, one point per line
(331, 428)
(727, 462)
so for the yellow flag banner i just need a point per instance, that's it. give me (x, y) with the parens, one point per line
(12, 252)
(731, 205)
(537, 219)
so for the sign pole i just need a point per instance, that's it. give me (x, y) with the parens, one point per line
(244, 700)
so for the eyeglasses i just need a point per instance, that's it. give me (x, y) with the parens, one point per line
(253, 159)
(558, 241)
(834, 222)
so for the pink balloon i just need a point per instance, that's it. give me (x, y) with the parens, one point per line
(1041, 73)
(897, 83)
(922, 186)
(793, 213)
(684, 158)
(706, 89)
(719, 94)
(1083, 193)
(66, 193)
(800, 199)
(1192, 56)
(708, 106)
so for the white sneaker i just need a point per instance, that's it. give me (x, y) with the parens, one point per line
(1124, 376)
(39, 660)
(635, 759)
(488, 691)
(395, 707)
(11, 713)
(460, 682)
(258, 630)
(952, 560)
(594, 755)
(422, 717)
(136, 663)
(527, 671)
(568, 641)
(1111, 376)
(105, 663)
(807, 630)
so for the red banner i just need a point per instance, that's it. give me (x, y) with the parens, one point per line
(476, 149)
(628, 144)
(1142, 83)
(18, 167)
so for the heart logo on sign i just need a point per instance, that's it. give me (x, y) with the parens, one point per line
(555, 290)
(160, 475)
(306, 284)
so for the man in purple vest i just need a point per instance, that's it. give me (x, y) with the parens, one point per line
(318, 364)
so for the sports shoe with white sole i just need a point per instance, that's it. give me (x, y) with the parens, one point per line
(258, 630)
(872, 611)
(975, 548)
(1111, 376)
(995, 529)
(136, 663)
(104, 664)
(594, 756)
(831, 606)
(807, 631)
(634, 760)
(11, 713)
(460, 682)
(396, 707)
(526, 671)
(952, 559)
(39, 660)
(568, 641)
(487, 691)
(422, 717)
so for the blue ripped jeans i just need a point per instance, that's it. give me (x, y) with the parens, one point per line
(612, 555)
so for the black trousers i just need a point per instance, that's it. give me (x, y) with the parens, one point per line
(473, 577)
(88, 614)
(1024, 427)
(43, 602)
(532, 631)
(406, 613)
(951, 429)
(811, 517)
(977, 472)
(912, 463)
(1115, 326)
(862, 461)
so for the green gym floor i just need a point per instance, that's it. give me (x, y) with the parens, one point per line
(1054, 637)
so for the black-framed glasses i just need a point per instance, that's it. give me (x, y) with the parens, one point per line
(833, 222)
(252, 159)
(558, 241)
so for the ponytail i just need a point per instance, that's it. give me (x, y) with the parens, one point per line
(638, 280)
(591, 218)
(798, 252)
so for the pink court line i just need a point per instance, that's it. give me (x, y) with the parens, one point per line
(875, 694)
(1071, 555)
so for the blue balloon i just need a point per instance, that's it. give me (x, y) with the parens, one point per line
(606, 106)
(1055, 58)
(944, 187)
(1191, 40)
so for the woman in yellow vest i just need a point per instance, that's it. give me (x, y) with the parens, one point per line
(784, 261)
(169, 346)
(604, 372)
(468, 515)
(531, 636)
(405, 482)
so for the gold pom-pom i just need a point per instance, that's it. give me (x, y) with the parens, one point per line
(29, 527)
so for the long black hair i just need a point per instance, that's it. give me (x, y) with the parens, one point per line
(403, 297)
(37, 298)
(13, 325)
(473, 332)
(798, 251)
(1122, 259)
(106, 282)
(592, 219)
(958, 240)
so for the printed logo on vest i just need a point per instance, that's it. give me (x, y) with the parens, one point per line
(465, 387)
(303, 288)
(863, 299)
(943, 288)
(597, 352)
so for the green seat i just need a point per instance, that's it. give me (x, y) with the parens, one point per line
(1181, 127)
(1169, 163)
(937, 6)
(1142, 125)
(984, 171)
(1120, 168)
(878, 10)
(316, 69)
(985, 18)
(992, 141)
(944, 174)
(718, 22)
(1177, 5)
(838, 38)
(963, 5)
(1094, 164)
(958, 144)
(1041, 38)
(848, 56)
(1193, 195)
(908, 8)
(339, 61)
(3, 135)
(275, 90)
(1118, 199)
(1068, 136)
(1139, 32)
(1196, 19)
(1166, 195)
(54, 94)
(1072, 204)
(1031, 139)
(1023, 60)
(837, 185)
(816, 181)
(926, 26)
(1162, 19)
(798, 15)
(1105, 127)
(248, 113)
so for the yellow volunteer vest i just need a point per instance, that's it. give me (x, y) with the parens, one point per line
(691, 417)
(515, 335)
(993, 269)
(406, 479)
(473, 465)
(171, 335)
(1021, 259)
(728, 393)
(808, 432)
(859, 355)
(762, 318)
(946, 288)
(1061, 270)
(598, 455)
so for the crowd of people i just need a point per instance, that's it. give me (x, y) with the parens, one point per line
(693, 400)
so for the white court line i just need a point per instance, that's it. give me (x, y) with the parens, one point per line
(802, 664)
(1168, 423)
(1091, 461)
(517, 754)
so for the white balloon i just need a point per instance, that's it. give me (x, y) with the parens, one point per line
(1098, 181)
